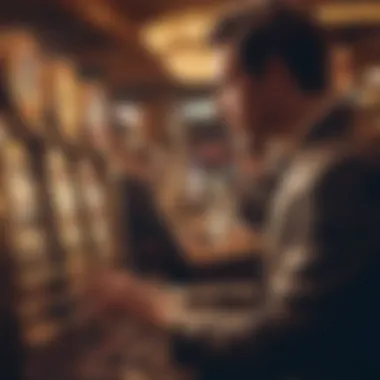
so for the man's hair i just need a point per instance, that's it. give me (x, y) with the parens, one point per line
(282, 33)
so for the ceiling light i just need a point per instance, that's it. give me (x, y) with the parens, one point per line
(191, 67)
(188, 28)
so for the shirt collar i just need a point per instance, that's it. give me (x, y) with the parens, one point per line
(332, 120)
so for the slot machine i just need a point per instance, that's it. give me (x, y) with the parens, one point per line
(20, 115)
(101, 356)
(28, 234)
(93, 175)
(76, 186)
(59, 165)
(94, 192)
(64, 205)
(13, 334)
(28, 242)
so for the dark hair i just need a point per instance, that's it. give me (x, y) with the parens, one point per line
(261, 34)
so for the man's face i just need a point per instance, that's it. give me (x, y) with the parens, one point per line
(237, 99)
(245, 103)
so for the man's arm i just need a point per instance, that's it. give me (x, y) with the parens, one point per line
(332, 242)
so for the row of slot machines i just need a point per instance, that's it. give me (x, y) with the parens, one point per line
(55, 195)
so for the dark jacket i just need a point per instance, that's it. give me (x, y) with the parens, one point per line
(320, 318)
(152, 247)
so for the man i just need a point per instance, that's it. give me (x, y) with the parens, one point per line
(320, 317)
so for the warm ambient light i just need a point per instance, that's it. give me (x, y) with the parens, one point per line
(182, 29)
(191, 67)
(179, 39)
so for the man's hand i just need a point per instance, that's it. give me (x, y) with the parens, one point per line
(105, 291)
(122, 294)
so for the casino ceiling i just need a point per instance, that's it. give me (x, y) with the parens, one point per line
(154, 42)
